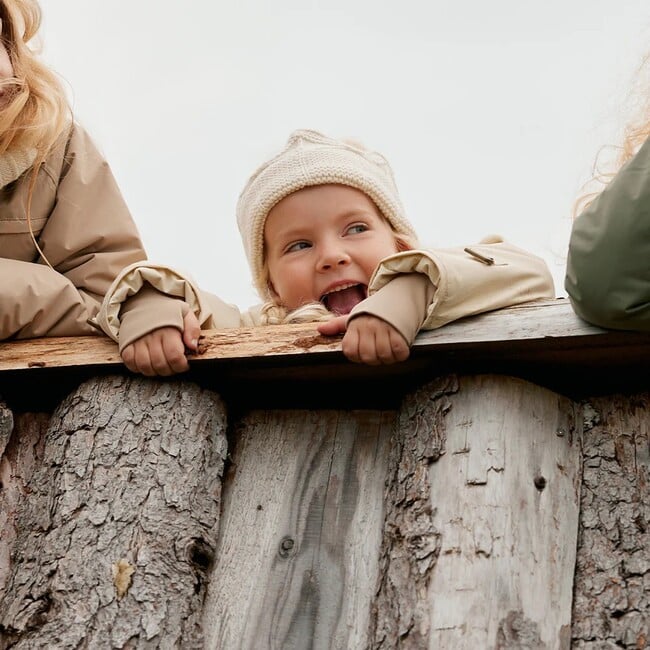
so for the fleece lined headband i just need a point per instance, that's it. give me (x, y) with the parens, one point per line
(310, 158)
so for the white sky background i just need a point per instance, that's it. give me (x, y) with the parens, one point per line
(490, 113)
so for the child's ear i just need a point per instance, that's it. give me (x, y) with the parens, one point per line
(402, 245)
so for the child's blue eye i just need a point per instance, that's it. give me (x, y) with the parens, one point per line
(357, 228)
(297, 246)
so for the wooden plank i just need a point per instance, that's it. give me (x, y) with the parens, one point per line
(296, 562)
(551, 324)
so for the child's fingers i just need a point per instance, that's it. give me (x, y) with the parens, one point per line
(167, 352)
(160, 353)
(137, 359)
(389, 346)
(400, 348)
(128, 357)
(359, 343)
(149, 357)
(374, 342)
(350, 344)
(173, 353)
(374, 346)
(333, 327)
(191, 331)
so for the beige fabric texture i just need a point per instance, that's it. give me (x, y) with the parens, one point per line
(458, 284)
(466, 285)
(84, 228)
(136, 318)
(311, 158)
(402, 303)
(157, 281)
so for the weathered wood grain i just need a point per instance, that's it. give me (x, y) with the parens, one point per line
(451, 523)
(297, 555)
(114, 542)
(550, 324)
(480, 537)
(612, 584)
(410, 542)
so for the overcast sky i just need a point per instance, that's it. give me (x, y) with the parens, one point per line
(491, 113)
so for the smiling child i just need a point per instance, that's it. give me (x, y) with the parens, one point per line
(328, 241)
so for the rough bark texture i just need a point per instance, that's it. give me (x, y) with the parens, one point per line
(21, 451)
(612, 582)
(109, 511)
(120, 526)
(411, 543)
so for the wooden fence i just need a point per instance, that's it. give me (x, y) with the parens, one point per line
(491, 492)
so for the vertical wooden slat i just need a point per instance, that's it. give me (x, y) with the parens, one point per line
(300, 531)
(506, 495)
(503, 496)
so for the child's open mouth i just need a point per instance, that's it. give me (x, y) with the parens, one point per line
(343, 299)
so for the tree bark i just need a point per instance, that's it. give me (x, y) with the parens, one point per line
(21, 451)
(451, 523)
(481, 519)
(612, 583)
(117, 536)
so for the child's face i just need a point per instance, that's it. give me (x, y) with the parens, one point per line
(6, 68)
(322, 244)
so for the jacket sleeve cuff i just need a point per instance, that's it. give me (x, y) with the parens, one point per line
(147, 311)
(402, 302)
(135, 278)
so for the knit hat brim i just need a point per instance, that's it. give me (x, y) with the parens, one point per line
(310, 158)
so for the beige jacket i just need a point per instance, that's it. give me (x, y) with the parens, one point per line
(84, 229)
(414, 290)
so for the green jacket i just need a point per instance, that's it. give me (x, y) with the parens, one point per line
(608, 267)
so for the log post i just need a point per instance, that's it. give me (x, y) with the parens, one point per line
(117, 536)
(481, 522)
(451, 524)
(22, 438)
(612, 592)
(301, 528)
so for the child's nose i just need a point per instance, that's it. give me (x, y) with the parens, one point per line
(333, 255)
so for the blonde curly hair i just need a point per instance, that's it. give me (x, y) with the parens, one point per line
(611, 158)
(36, 111)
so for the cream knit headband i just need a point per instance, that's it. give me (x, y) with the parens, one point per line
(310, 158)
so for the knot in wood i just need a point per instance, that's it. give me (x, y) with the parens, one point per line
(200, 554)
(286, 546)
(540, 482)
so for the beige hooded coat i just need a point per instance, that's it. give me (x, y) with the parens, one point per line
(85, 231)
